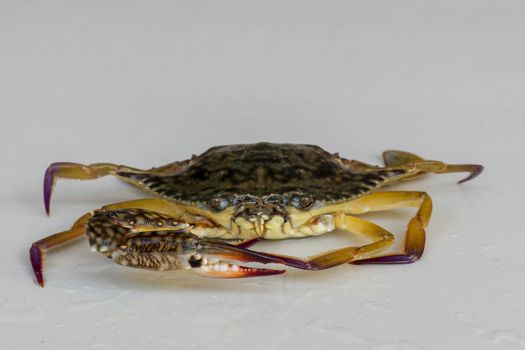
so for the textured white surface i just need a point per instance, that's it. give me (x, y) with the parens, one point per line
(145, 83)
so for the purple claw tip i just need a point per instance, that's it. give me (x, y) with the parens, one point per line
(36, 261)
(288, 261)
(49, 179)
(388, 259)
(298, 264)
(477, 169)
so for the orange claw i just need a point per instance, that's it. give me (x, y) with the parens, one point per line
(214, 248)
(225, 253)
(226, 270)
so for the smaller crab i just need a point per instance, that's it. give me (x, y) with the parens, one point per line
(211, 208)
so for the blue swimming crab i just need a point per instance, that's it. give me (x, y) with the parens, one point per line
(209, 210)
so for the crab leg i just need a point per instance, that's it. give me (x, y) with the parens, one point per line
(381, 240)
(39, 248)
(72, 171)
(77, 171)
(399, 159)
(415, 234)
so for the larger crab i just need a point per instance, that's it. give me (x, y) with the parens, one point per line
(211, 208)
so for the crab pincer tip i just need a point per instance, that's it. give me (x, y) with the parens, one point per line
(49, 180)
(293, 262)
(35, 255)
(269, 272)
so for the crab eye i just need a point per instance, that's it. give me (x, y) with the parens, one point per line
(111, 214)
(302, 201)
(195, 260)
(219, 203)
(273, 198)
(305, 201)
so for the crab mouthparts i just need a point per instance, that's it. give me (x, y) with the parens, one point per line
(259, 226)
(254, 224)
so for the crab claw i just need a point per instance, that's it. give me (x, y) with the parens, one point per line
(216, 257)
(226, 270)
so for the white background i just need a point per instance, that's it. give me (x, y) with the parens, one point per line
(146, 83)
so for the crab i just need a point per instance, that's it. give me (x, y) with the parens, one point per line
(209, 210)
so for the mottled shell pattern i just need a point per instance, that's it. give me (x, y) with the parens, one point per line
(288, 175)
